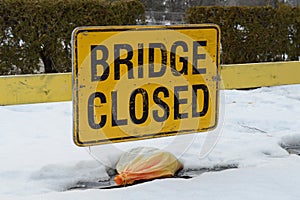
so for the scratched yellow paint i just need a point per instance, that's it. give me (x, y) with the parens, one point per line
(24, 89)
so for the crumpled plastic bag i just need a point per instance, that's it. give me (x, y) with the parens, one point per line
(145, 163)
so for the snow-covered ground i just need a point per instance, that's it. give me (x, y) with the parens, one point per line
(40, 161)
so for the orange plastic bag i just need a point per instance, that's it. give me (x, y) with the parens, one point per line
(145, 163)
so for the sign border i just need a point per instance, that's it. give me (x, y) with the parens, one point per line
(75, 95)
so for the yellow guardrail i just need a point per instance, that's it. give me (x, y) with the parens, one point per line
(38, 88)
(253, 75)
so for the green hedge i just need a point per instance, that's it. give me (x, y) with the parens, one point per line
(35, 32)
(253, 34)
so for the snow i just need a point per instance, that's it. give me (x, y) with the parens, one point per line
(40, 161)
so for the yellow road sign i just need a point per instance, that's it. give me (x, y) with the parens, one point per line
(138, 82)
